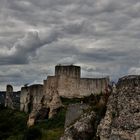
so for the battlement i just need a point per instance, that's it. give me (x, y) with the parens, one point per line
(68, 70)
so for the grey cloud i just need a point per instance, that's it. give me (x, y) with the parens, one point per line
(25, 48)
(68, 60)
(21, 50)
(18, 75)
(100, 35)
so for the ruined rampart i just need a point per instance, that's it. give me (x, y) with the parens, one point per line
(68, 83)
(30, 97)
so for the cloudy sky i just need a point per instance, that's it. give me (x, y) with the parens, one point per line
(102, 36)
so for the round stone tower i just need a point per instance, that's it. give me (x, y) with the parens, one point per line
(68, 70)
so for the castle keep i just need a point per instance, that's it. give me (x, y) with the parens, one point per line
(68, 83)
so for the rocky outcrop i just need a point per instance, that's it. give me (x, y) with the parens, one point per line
(83, 118)
(54, 104)
(47, 107)
(122, 119)
(74, 111)
(82, 129)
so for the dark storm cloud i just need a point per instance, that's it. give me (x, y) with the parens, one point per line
(25, 48)
(100, 35)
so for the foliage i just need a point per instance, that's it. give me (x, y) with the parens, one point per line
(32, 134)
(11, 123)
(52, 134)
(55, 122)
(13, 126)
(67, 101)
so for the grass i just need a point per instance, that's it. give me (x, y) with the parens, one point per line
(13, 123)
(13, 126)
(56, 122)
(52, 134)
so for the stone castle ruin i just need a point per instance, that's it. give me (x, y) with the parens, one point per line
(66, 82)
(120, 121)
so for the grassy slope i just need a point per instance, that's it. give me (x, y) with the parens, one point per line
(13, 123)
(13, 126)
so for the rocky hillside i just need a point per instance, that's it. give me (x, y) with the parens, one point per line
(82, 119)
(122, 119)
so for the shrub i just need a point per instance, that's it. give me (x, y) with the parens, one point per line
(12, 123)
(32, 134)
(56, 122)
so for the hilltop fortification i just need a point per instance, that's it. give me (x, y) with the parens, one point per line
(68, 82)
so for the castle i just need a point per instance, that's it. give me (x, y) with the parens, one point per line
(66, 82)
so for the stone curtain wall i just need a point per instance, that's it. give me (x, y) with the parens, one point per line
(73, 87)
(94, 86)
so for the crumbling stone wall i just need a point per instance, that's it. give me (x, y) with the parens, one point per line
(24, 99)
(74, 111)
(36, 94)
(30, 97)
(12, 99)
(16, 100)
(9, 95)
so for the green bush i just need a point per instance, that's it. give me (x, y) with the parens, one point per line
(32, 134)
(13, 126)
(12, 123)
(67, 101)
(56, 122)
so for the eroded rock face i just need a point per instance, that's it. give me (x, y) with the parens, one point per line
(82, 129)
(47, 107)
(74, 111)
(122, 119)
(54, 104)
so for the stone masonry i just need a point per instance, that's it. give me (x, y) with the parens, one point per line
(68, 82)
